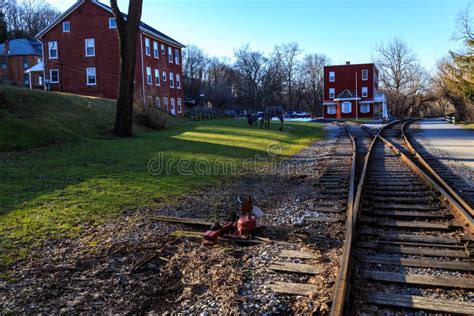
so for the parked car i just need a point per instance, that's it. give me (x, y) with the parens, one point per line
(298, 114)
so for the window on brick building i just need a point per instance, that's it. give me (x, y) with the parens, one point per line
(165, 103)
(332, 76)
(180, 106)
(331, 109)
(163, 49)
(178, 81)
(365, 108)
(54, 76)
(176, 56)
(158, 102)
(171, 80)
(66, 27)
(149, 79)
(332, 93)
(170, 54)
(90, 47)
(91, 76)
(365, 75)
(157, 77)
(173, 106)
(53, 50)
(155, 50)
(365, 92)
(346, 107)
(112, 23)
(164, 76)
(147, 46)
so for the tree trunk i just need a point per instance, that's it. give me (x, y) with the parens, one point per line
(128, 30)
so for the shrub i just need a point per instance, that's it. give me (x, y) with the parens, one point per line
(149, 116)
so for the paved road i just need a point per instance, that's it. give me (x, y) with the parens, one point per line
(454, 140)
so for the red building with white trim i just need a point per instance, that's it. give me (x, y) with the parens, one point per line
(81, 56)
(351, 91)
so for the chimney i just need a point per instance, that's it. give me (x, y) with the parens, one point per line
(348, 62)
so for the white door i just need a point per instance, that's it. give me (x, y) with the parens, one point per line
(173, 106)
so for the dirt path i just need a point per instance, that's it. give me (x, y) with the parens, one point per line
(132, 265)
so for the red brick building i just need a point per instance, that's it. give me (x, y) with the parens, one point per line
(351, 91)
(81, 54)
(16, 56)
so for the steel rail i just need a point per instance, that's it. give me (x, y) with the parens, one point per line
(341, 288)
(449, 201)
(432, 172)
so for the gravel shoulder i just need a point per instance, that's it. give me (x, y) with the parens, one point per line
(454, 141)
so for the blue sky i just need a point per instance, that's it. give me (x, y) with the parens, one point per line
(341, 29)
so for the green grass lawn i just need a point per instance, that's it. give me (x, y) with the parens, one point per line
(90, 177)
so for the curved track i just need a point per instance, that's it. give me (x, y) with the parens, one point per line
(408, 240)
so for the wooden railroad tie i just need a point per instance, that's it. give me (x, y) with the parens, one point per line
(182, 220)
(415, 279)
(295, 268)
(293, 288)
(420, 302)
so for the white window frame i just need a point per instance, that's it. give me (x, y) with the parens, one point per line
(163, 49)
(149, 78)
(345, 104)
(332, 93)
(95, 76)
(365, 92)
(165, 103)
(332, 76)
(364, 108)
(147, 46)
(156, 50)
(86, 42)
(51, 75)
(64, 27)
(331, 109)
(114, 25)
(365, 75)
(157, 77)
(164, 76)
(171, 80)
(178, 81)
(49, 49)
(158, 102)
(176, 56)
(173, 105)
(180, 106)
(170, 54)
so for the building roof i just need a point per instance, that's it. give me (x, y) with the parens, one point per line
(346, 94)
(22, 46)
(143, 26)
(39, 67)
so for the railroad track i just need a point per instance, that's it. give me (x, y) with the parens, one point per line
(462, 190)
(408, 240)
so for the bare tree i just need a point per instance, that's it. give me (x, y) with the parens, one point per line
(128, 31)
(219, 85)
(288, 56)
(195, 62)
(255, 75)
(312, 72)
(403, 80)
(26, 18)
